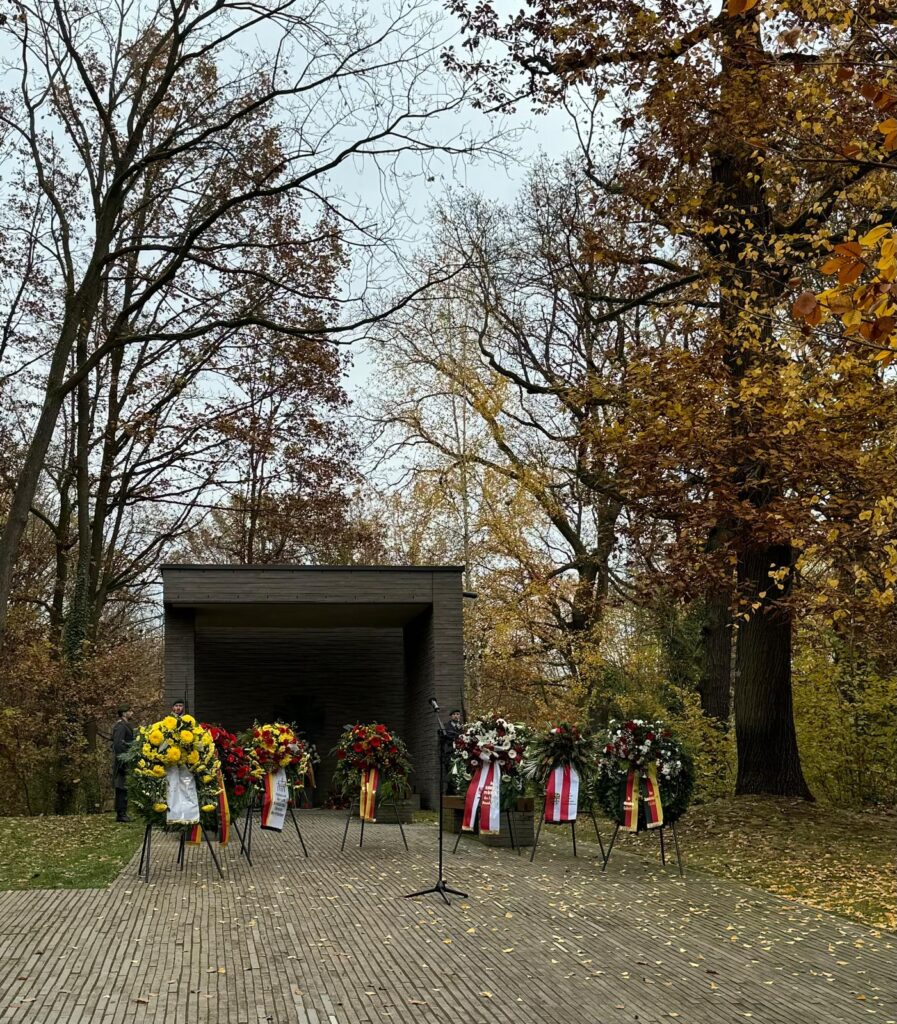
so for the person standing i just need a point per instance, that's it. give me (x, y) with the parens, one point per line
(122, 735)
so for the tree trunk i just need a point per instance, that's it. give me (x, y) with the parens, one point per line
(768, 759)
(23, 497)
(715, 684)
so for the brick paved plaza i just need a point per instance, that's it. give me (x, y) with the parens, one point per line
(330, 940)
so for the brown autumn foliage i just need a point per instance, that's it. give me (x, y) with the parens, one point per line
(725, 120)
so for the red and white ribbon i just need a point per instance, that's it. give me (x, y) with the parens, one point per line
(561, 795)
(484, 792)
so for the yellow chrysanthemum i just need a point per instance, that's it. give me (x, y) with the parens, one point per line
(173, 755)
(155, 737)
(170, 722)
(284, 761)
(158, 771)
(192, 757)
(186, 736)
(188, 719)
(207, 778)
(208, 807)
(160, 807)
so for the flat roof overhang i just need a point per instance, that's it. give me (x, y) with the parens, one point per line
(288, 595)
(314, 615)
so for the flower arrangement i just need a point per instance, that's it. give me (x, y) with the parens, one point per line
(236, 768)
(492, 739)
(172, 742)
(275, 746)
(632, 755)
(559, 745)
(362, 748)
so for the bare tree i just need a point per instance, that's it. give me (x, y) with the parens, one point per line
(147, 144)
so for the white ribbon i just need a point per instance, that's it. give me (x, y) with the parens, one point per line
(183, 802)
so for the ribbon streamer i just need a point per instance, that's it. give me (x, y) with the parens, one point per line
(653, 806)
(484, 793)
(275, 798)
(367, 801)
(194, 834)
(562, 795)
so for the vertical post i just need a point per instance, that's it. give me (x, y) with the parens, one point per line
(610, 848)
(678, 855)
(597, 833)
(298, 832)
(346, 829)
(143, 849)
(205, 836)
(514, 845)
(149, 846)
(532, 856)
(663, 855)
(399, 820)
(573, 833)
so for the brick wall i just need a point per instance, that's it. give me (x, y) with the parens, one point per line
(321, 679)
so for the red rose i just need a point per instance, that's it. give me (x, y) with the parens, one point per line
(340, 755)
(381, 728)
(393, 750)
(358, 748)
(239, 790)
(375, 742)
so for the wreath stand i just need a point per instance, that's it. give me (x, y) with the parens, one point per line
(246, 838)
(591, 812)
(663, 856)
(352, 808)
(476, 831)
(244, 852)
(145, 854)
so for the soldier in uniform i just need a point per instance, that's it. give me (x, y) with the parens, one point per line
(122, 734)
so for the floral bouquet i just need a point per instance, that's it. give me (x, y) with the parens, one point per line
(236, 768)
(563, 760)
(175, 772)
(371, 757)
(276, 746)
(279, 762)
(488, 756)
(645, 777)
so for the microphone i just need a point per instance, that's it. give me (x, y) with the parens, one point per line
(433, 704)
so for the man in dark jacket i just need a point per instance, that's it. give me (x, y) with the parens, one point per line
(122, 734)
(453, 729)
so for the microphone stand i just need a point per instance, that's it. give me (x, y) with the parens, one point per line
(441, 885)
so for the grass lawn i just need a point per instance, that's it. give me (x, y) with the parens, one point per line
(833, 859)
(72, 852)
